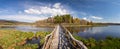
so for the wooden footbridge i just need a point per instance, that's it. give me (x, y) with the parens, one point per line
(61, 38)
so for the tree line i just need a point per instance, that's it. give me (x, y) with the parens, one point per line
(65, 19)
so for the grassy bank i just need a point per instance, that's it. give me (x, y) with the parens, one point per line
(16, 39)
(108, 43)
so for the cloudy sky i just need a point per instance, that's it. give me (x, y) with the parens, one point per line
(33, 10)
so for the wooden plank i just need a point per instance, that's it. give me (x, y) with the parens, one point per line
(61, 38)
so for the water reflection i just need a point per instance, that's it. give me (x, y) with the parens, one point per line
(28, 28)
(96, 32)
(34, 40)
(85, 32)
(79, 29)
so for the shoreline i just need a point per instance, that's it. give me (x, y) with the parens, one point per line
(73, 25)
(53, 25)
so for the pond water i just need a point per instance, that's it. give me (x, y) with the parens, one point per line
(86, 32)
(28, 28)
(98, 33)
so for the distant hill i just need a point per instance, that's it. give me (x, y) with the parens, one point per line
(11, 22)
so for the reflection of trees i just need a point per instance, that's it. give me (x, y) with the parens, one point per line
(79, 29)
(73, 29)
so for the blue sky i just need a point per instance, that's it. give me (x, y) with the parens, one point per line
(33, 10)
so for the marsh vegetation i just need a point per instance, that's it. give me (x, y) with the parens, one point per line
(108, 43)
(17, 39)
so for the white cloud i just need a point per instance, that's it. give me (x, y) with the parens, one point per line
(24, 18)
(57, 5)
(55, 9)
(32, 11)
(96, 17)
(85, 18)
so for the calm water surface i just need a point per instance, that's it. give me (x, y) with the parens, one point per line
(85, 32)
(96, 32)
(29, 28)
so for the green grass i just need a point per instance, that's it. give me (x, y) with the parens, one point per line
(42, 36)
(27, 46)
(16, 39)
(108, 43)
